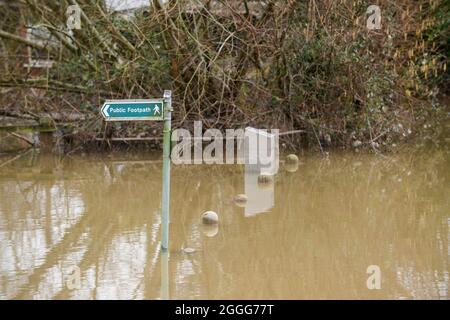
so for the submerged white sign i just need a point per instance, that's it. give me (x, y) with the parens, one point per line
(255, 147)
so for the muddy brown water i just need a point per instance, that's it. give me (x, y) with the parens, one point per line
(313, 233)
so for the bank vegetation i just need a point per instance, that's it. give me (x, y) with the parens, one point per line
(310, 66)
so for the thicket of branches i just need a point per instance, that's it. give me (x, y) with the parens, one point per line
(309, 65)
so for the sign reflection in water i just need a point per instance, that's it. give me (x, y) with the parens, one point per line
(260, 194)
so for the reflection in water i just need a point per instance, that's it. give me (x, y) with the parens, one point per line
(165, 275)
(262, 157)
(331, 219)
(260, 197)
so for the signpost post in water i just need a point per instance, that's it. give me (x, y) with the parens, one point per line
(149, 110)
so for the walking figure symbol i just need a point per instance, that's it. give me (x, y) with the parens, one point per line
(156, 110)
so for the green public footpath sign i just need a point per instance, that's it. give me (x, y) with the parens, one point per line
(133, 110)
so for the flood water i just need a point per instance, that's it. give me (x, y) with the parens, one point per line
(311, 234)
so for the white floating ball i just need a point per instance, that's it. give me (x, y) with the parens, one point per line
(210, 217)
(241, 200)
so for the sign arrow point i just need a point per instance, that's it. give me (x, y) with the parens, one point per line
(105, 110)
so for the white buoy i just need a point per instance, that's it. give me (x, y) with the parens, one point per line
(291, 163)
(188, 250)
(241, 200)
(292, 158)
(210, 217)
